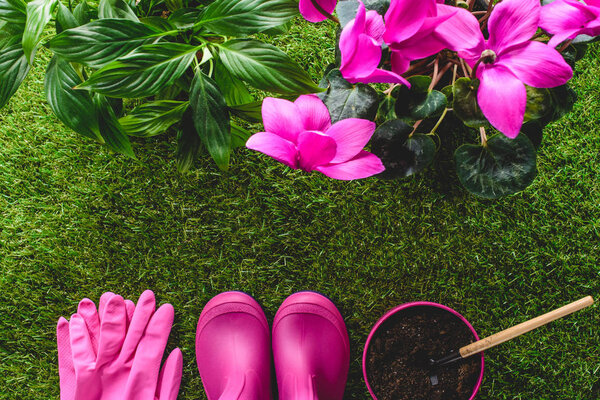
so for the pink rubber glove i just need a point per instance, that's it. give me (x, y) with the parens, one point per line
(114, 353)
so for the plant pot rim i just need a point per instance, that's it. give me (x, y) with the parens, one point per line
(415, 304)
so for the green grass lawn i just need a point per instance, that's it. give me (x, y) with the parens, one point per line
(76, 221)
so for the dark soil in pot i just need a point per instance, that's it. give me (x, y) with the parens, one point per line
(398, 354)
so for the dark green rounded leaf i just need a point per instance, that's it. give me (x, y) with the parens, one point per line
(431, 104)
(465, 104)
(265, 67)
(386, 110)
(75, 108)
(534, 131)
(346, 9)
(539, 104)
(244, 17)
(419, 84)
(345, 100)
(211, 118)
(563, 99)
(143, 72)
(401, 154)
(102, 41)
(13, 67)
(154, 118)
(504, 166)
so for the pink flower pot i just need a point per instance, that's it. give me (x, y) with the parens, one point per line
(403, 307)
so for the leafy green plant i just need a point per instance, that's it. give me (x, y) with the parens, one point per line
(187, 65)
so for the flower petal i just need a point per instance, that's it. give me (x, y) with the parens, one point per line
(351, 136)
(374, 26)
(381, 76)
(274, 146)
(565, 15)
(513, 22)
(365, 164)
(400, 64)
(315, 115)
(311, 14)
(404, 18)
(502, 98)
(315, 149)
(364, 61)
(282, 117)
(537, 64)
(562, 36)
(462, 31)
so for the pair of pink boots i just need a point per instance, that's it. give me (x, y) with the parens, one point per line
(311, 351)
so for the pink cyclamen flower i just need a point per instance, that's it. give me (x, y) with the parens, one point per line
(360, 47)
(301, 136)
(566, 19)
(312, 14)
(509, 60)
(416, 30)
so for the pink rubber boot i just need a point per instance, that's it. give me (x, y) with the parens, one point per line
(233, 348)
(310, 348)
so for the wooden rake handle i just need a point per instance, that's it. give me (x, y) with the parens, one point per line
(524, 327)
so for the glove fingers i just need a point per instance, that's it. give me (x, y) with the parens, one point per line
(87, 310)
(112, 330)
(66, 370)
(130, 308)
(81, 344)
(170, 377)
(143, 312)
(103, 302)
(143, 378)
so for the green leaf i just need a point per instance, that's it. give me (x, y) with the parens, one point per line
(239, 136)
(39, 13)
(534, 131)
(504, 166)
(102, 41)
(465, 104)
(159, 23)
(563, 99)
(244, 17)
(346, 9)
(110, 129)
(185, 18)
(419, 84)
(75, 108)
(82, 13)
(154, 118)
(143, 72)
(174, 5)
(539, 104)
(251, 112)
(431, 104)
(188, 143)
(265, 67)
(116, 9)
(13, 11)
(401, 153)
(211, 118)
(65, 19)
(234, 90)
(13, 67)
(345, 100)
(386, 110)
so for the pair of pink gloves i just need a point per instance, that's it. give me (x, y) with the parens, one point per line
(114, 352)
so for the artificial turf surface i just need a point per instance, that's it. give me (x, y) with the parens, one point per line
(76, 221)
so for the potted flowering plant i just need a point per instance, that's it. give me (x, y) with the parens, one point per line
(454, 69)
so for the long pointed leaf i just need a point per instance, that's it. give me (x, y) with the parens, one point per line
(13, 68)
(13, 11)
(75, 108)
(116, 9)
(211, 118)
(151, 119)
(39, 13)
(144, 72)
(110, 129)
(265, 67)
(102, 41)
(242, 17)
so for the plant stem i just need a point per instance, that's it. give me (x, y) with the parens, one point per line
(564, 46)
(454, 74)
(483, 136)
(471, 4)
(388, 91)
(439, 76)
(434, 77)
(325, 13)
(439, 122)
